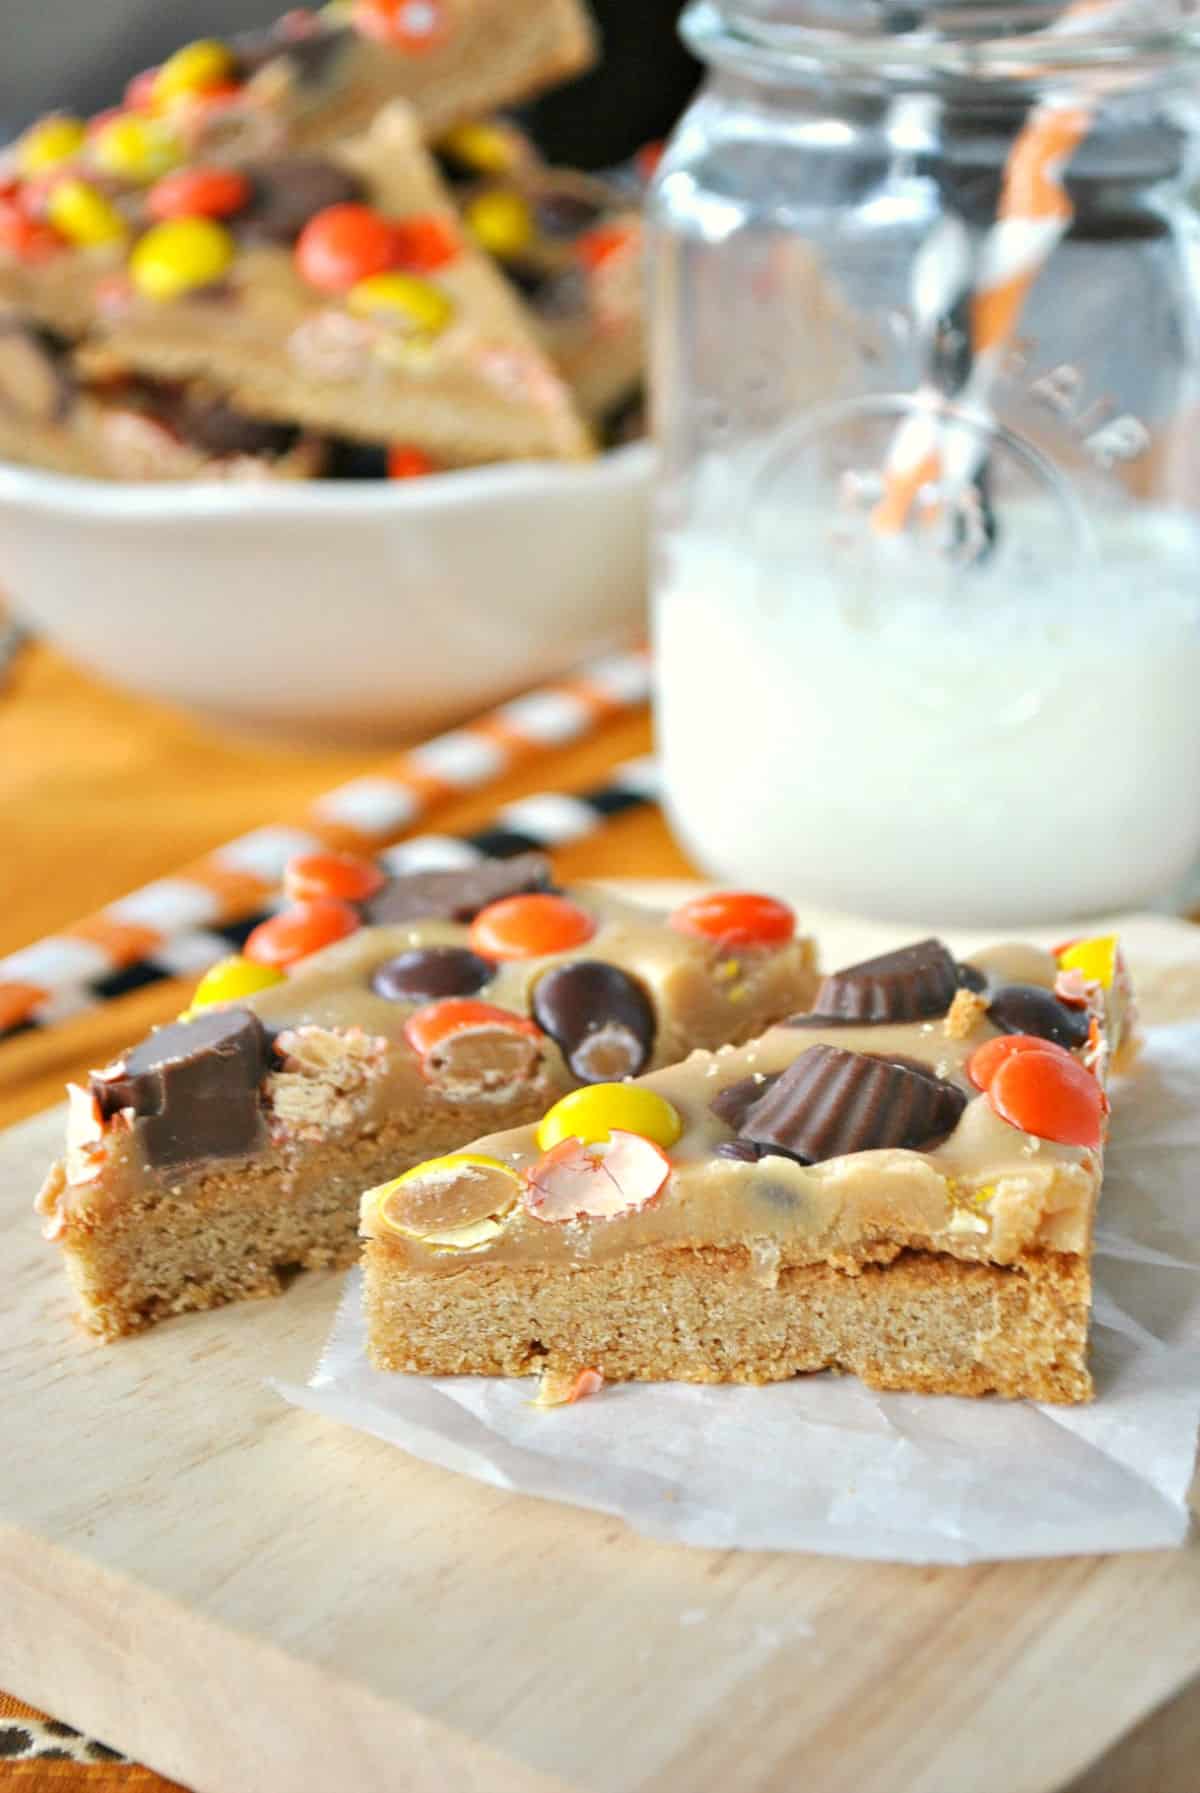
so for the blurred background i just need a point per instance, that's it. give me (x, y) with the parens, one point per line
(63, 55)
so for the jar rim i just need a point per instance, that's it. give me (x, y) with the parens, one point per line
(951, 41)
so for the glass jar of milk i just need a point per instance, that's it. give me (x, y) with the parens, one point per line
(927, 363)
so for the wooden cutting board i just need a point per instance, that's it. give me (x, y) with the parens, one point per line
(248, 1598)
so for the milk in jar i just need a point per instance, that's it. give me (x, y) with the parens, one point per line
(927, 389)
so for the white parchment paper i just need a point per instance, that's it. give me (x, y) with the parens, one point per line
(823, 1464)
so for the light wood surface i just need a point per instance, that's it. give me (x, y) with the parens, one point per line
(246, 1598)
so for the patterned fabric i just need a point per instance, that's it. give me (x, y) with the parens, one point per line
(38, 1752)
(543, 821)
(174, 921)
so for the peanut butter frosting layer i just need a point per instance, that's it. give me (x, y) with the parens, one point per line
(987, 1191)
(339, 1057)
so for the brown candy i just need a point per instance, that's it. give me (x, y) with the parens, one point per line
(289, 190)
(1027, 1008)
(429, 973)
(556, 296)
(214, 426)
(457, 895)
(312, 57)
(600, 1017)
(914, 983)
(559, 212)
(193, 1087)
(740, 1151)
(735, 1101)
(829, 1103)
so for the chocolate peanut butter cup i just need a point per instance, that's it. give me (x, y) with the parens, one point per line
(734, 1102)
(192, 1086)
(830, 1103)
(209, 423)
(312, 57)
(457, 895)
(286, 191)
(914, 983)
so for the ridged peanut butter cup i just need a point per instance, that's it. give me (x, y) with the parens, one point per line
(830, 1103)
(914, 983)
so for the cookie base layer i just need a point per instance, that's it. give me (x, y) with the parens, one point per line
(924, 1323)
(240, 1231)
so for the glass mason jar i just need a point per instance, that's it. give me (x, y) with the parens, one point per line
(927, 389)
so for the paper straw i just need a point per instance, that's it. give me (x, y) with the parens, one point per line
(1033, 215)
(41, 983)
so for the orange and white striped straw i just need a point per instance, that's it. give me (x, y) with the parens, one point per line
(43, 983)
(1033, 215)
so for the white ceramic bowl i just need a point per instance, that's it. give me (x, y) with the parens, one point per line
(339, 610)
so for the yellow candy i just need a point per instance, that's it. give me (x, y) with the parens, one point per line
(500, 222)
(136, 148)
(590, 1114)
(481, 146)
(232, 980)
(49, 143)
(457, 1202)
(83, 215)
(179, 255)
(405, 298)
(195, 68)
(1095, 958)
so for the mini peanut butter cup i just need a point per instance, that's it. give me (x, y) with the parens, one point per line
(739, 1151)
(457, 895)
(735, 1101)
(914, 983)
(286, 191)
(830, 1103)
(312, 57)
(600, 1018)
(192, 1087)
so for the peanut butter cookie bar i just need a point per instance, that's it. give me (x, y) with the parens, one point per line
(372, 1025)
(900, 1184)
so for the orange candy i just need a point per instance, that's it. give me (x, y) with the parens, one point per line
(598, 245)
(425, 242)
(345, 876)
(25, 237)
(647, 159)
(408, 463)
(198, 193)
(987, 1059)
(139, 92)
(426, 1029)
(295, 933)
(345, 244)
(1050, 1095)
(412, 25)
(221, 93)
(736, 918)
(530, 927)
